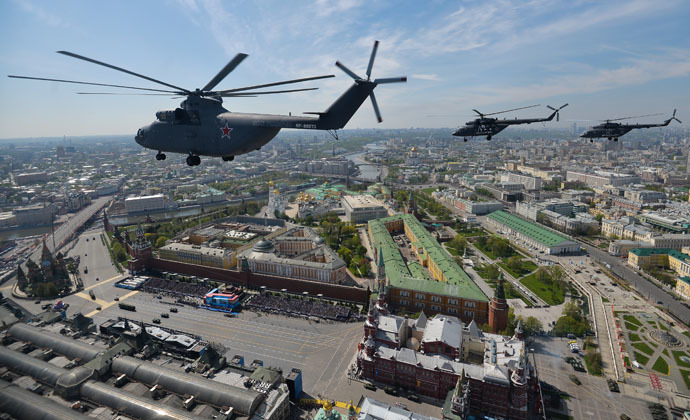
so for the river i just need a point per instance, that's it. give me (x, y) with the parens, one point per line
(366, 170)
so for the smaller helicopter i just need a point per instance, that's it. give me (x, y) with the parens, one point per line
(489, 127)
(613, 130)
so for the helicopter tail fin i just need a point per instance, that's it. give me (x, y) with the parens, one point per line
(342, 110)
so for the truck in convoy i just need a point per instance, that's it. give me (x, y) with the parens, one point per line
(127, 307)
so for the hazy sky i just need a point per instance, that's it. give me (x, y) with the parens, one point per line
(606, 58)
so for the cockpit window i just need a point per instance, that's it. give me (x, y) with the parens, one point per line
(184, 117)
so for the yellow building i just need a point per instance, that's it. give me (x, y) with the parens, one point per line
(646, 258)
(195, 254)
(683, 287)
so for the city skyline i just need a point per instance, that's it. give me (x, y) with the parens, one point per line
(607, 60)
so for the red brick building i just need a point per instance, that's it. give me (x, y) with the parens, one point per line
(429, 356)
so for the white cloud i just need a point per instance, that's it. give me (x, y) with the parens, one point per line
(638, 71)
(425, 76)
(326, 8)
(43, 15)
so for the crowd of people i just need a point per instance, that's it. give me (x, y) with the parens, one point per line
(299, 307)
(175, 288)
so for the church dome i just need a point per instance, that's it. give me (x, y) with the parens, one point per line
(263, 246)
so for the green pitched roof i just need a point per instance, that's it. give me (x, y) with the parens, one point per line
(415, 277)
(646, 252)
(527, 228)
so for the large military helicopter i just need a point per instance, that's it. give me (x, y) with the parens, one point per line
(612, 130)
(489, 127)
(202, 127)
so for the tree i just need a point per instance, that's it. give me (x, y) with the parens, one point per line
(160, 242)
(492, 272)
(514, 263)
(543, 275)
(532, 326)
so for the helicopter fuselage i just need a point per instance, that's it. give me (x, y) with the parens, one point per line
(201, 126)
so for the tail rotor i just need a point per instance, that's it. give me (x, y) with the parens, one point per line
(557, 110)
(359, 80)
(674, 117)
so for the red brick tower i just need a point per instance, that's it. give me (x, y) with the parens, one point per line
(498, 309)
(140, 251)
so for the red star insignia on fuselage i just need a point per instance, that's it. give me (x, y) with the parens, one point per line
(226, 131)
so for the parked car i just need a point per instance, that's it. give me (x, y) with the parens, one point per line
(174, 310)
(165, 315)
(574, 379)
(156, 321)
(369, 386)
(391, 390)
(413, 397)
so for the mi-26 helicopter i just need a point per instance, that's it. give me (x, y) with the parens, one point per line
(612, 130)
(489, 127)
(202, 127)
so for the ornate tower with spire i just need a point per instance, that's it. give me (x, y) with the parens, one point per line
(411, 205)
(140, 250)
(380, 272)
(498, 308)
(518, 384)
(460, 404)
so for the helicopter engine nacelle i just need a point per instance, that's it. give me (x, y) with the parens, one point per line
(165, 115)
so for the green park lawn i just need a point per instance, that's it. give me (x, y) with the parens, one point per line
(641, 358)
(525, 268)
(661, 366)
(679, 361)
(633, 320)
(631, 327)
(552, 293)
(643, 347)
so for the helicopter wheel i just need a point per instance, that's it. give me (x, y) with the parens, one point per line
(488, 138)
(160, 156)
(591, 140)
(228, 158)
(465, 139)
(193, 160)
(610, 138)
(615, 139)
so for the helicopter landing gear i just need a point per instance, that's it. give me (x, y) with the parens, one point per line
(193, 160)
(488, 138)
(228, 158)
(465, 139)
(591, 140)
(615, 139)
(160, 156)
(610, 138)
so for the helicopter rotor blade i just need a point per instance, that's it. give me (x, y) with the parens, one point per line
(92, 84)
(637, 116)
(479, 113)
(509, 110)
(348, 71)
(100, 63)
(371, 59)
(376, 106)
(225, 71)
(390, 80)
(124, 94)
(270, 92)
(304, 79)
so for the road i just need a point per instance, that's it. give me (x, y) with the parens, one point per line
(644, 287)
(65, 231)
